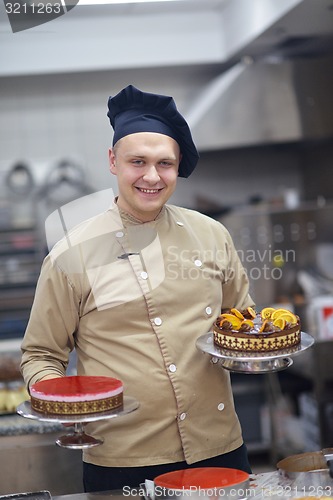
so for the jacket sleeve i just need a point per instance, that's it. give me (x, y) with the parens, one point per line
(54, 316)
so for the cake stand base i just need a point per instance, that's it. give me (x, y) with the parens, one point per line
(267, 366)
(78, 439)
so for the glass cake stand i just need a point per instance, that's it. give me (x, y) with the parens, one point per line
(246, 362)
(78, 439)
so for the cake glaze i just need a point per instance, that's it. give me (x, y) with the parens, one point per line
(76, 395)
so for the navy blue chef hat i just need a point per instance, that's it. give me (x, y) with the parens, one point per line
(132, 111)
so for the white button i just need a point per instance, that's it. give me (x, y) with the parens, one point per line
(179, 223)
(119, 234)
(173, 368)
(214, 360)
(157, 321)
(220, 406)
(198, 263)
(208, 310)
(182, 416)
(144, 275)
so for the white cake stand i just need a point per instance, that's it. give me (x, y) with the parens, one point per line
(78, 439)
(247, 362)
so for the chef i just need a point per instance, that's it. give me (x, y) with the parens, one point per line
(131, 290)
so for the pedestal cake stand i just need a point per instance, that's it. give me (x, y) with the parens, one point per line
(247, 362)
(78, 439)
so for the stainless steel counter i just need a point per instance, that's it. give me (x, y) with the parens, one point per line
(15, 425)
(103, 495)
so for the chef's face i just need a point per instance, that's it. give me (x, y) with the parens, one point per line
(146, 165)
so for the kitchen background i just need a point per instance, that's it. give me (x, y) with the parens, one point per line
(254, 80)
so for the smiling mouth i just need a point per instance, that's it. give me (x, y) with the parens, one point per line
(149, 191)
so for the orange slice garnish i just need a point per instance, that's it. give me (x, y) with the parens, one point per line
(263, 326)
(237, 313)
(251, 312)
(267, 312)
(289, 317)
(235, 322)
(279, 323)
(248, 322)
(277, 313)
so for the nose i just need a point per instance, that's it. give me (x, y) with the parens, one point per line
(151, 175)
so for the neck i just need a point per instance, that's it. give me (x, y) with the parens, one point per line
(147, 217)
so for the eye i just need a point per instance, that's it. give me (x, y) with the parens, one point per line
(165, 163)
(137, 162)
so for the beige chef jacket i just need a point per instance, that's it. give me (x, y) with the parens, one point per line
(133, 298)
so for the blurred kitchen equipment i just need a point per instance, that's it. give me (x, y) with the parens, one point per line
(284, 92)
(64, 182)
(320, 317)
(19, 179)
(328, 454)
(324, 260)
(303, 462)
(20, 187)
(31, 495)
(291, 198)
(275, 245)
(12, 387)
(306, 469)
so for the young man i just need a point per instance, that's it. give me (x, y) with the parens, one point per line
(131, 290)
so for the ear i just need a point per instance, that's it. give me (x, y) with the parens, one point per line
(112, 162)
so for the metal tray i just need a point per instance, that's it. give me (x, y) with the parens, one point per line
(246, 362)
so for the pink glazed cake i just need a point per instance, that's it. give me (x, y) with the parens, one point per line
(76, 395)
